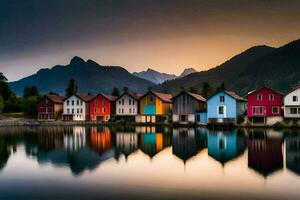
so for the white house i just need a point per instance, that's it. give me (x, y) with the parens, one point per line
(292, 104)
(76, 108)
(127, 104)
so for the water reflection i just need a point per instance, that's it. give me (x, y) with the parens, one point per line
(265, 151)
(86, 148)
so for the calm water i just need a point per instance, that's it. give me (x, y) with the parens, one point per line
(148, 163)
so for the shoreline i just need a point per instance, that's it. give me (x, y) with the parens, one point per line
(11, 122)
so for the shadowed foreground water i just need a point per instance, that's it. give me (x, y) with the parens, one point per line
(148, 163)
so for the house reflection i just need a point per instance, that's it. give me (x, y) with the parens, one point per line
(152, 142)
(4, 151)
(265, 151)
(100, 139)
(225, 145)
(293, 153)
(126, 143)
(186, 143)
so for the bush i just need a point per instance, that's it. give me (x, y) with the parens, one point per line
(1, 104)
(280, 125)
(29, 105)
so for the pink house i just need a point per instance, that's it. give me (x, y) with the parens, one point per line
(265, 106)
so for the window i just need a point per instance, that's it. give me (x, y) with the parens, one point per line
(95, 110)
(259, 97)
(129, 101)
(133, 102)
(119, 102)
(295, 98)
(78, 110)
(119, 110)
(72, 102)
(68, 110)
(275, 110)
(257, 110)
(68, 102)
(151, 99)
(123, 102)
(122, 110)
(81, 102)
(103, 101)
(129, 110)
(77, 102)
(271, 97)
(81, 110)
(96, 102)
(103, 109)
(72, 110)
(222, 98)
(133, 110)
(183, 98)
(221, 110)
(293, 111)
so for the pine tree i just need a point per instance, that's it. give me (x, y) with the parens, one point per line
(72, 88)
(115, 92)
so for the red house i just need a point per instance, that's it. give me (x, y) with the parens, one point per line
(265, 105)
(49, 107)
(102, 107)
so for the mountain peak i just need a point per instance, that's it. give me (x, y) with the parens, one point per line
(187, 71)
(76, 60)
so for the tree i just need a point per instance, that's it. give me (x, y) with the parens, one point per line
(193, 90)
(221, 87)
(30, 92)
(4, 90)
(2, 77)
(206, 89)
(115, 92)
(72, 88)
(29, 105)
(125, 89)
(1, 104)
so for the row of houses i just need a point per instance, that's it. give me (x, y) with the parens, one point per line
(263, 105)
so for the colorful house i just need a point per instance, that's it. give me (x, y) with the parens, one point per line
(154, 106)
(127, 104)
(292, 104)
(225, 107)
(50, 107)
(102, 107)
(265, 106)
(186, 106)
(76, 108)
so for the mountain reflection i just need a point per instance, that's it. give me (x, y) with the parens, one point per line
(85, 148)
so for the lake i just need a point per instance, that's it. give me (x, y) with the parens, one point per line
(148, 163)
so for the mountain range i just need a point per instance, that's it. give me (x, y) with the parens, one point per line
(278, 68)
(158, 77)
(89, 76)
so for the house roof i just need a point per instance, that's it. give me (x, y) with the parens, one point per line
(196, 96)
(82, 97)
(108, 97)
(264, 87)
(230, 93)
(135, 96)
(163, 96)
(54, 98)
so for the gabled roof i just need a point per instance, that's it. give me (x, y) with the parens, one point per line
(54, 98)
(135, 96)
(82, 97)
(230, 93)
(162, 96)
(195, 96)
(108, 97)
(264, 87)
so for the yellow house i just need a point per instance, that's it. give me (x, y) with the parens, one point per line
(153, 106)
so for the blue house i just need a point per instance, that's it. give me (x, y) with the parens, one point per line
(225, 107)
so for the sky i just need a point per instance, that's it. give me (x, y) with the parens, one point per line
(165, 35)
